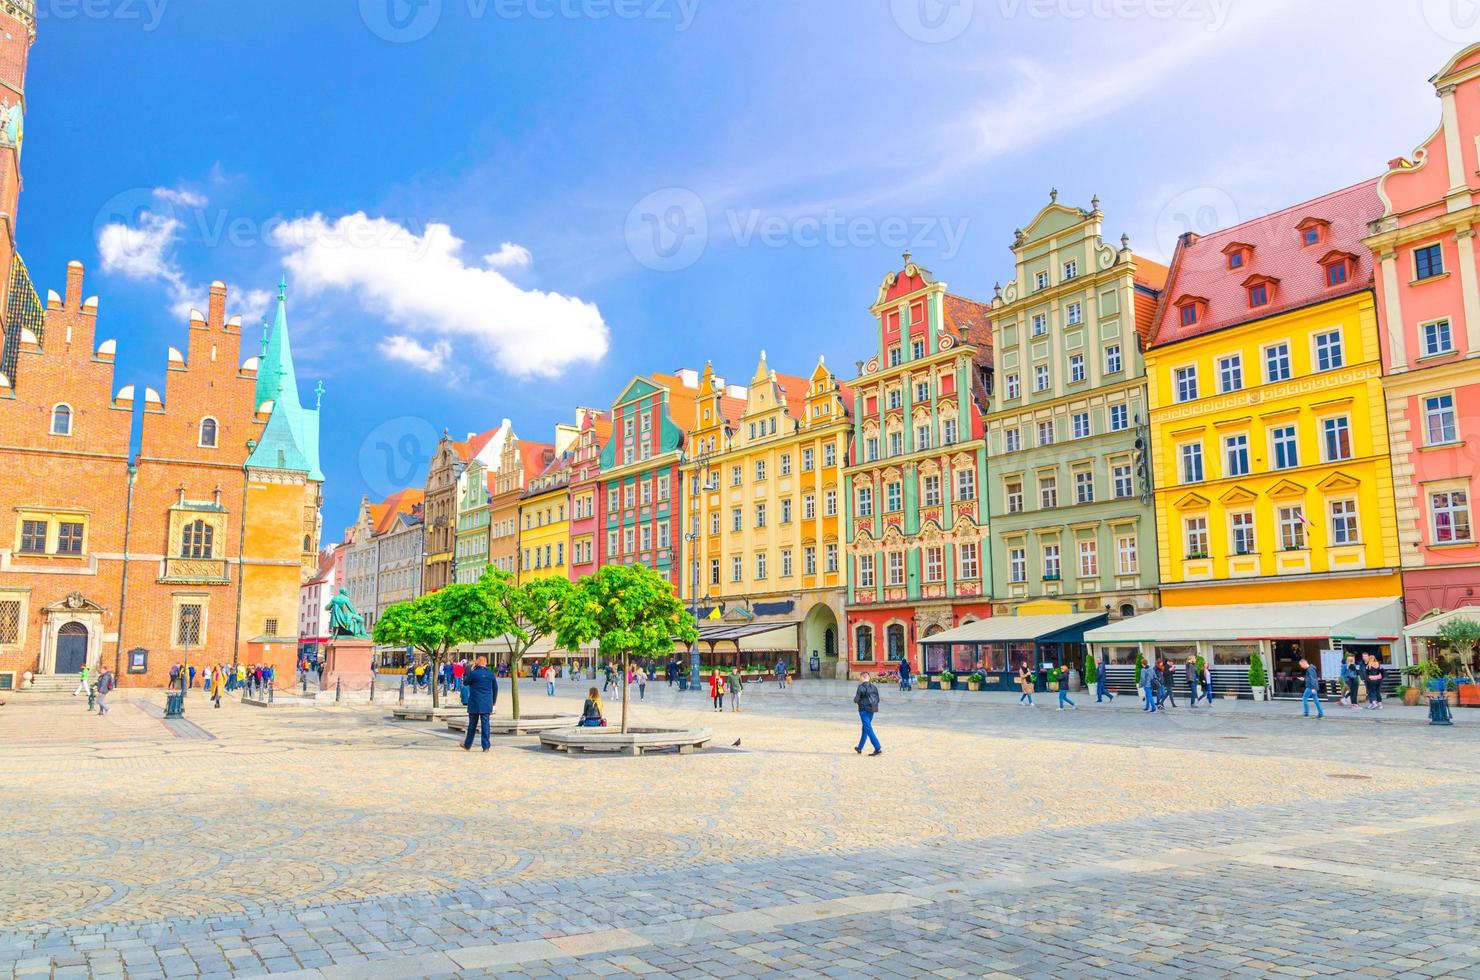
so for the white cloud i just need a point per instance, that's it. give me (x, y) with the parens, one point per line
(421, 284)
(180, 196)
(509, 256)
(405, 349)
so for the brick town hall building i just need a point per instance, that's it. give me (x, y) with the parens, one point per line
(190, 551)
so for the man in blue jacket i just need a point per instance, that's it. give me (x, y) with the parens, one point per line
(1312, 689)
(482, 696)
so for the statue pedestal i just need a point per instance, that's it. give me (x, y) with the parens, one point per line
(347, 663)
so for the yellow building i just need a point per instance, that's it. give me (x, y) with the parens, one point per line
(544, 522)
(762, 541)
(1270, 446)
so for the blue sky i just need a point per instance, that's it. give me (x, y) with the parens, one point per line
(507, 208)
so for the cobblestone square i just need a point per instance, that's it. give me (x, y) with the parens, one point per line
(987, 840)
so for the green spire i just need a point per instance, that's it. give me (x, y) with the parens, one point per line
(291, 439)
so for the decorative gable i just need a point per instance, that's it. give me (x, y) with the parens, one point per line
(1287, 488)
(1338, 483)
(1238, 495)
(1192, 501)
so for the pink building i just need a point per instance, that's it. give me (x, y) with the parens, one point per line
(585, 496)
(1428, 299)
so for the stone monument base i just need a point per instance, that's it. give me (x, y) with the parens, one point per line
(347, 663)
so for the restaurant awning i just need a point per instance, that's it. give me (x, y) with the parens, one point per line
(750, 636)
(1428, 628)
(1065, 628)
(1351, 620)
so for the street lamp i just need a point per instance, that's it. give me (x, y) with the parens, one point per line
(711, 484)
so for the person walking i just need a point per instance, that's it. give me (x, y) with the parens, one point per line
(1168, 676)
(717, 689)
(867, 699)
(81, 681)
(1207, 683)
(591, 716)
(1352, 678)
(735, 684)
(1064, 690)
(105, 688)
(904, 674)
(218, 685)
(192, 675)
(549, 681)
(781, 672)
(1150, 681)
(1025, 684)
(1102, 687)
(1190, 670)
(482, 696)
(642, 682)
(1312, 692)
(1374, 676)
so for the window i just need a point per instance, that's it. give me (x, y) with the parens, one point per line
(1428, 262)
(611, 543)
(968, 562)
(1045, 432)
(922, 391)
(187, 625)
(893, 496)
(737, 568)
(1126, 562)
(611, 500)
(1286, 452)
(785, 464)
(1195, 536)
(896, 568)
(1236, 259)
(760, 469)
(714, 571)
(646, 493)
(1017, 565)
(866, 571)
(1074, 313)
(1112, 359)
(1236, 455)
(1241, 526)
(966, 485)
(1230, 373)
(808, 457)
(1040, 281)
(1076, 368)
(1185, 379)
(1014, 492)
(1311, 235)
(922, 436)
(1277, 362)
(832, 558)
(809, 560)
(1040, 377)
(737, 475)
(1120, 477)
(1120, 418)
(1084, 487)
(829, 503)
(1336, 273)
(1040, 324)
(1012, 440)
(894, 356)
(760, 515)
(629, 494)
(647, 421)
(786, 563)
(894, 637)
(931, 490)
(662, 485)
(896, 443)
(1081, 425)
(1258, 294)
(627, 541)
(737, 519)
(1071, 269)
(1048, 491)
(208, 435)
(714, 522)
(664, 539)
(1191, 458)
(1439, 419)
(1336, 438)
(33, 537)
(196, 540)
(786, 511)
(863, 644)
(1451, 510)
(894, 398)
(935, 565)
(917, 349)
(829, 455)
(1089, 559)
(1344, 528)
(10, 622)
(1437, 338)
(1328, 350)
(865, 501)
(871, 449)
(948, 432)
(1052, 571)
(1187, 314)
(61, 420)
(1014, 386)
(1292, 529)
(69, 538)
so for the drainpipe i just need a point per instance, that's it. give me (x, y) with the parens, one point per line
(128, 526)
(241, 560)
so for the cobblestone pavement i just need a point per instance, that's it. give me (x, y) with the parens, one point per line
(988, 839)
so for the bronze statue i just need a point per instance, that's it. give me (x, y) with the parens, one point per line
(343, 620)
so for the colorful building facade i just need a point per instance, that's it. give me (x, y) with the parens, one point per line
(586, 499)
(544, 522)
(522, 460)
(916, 519)
(474, 507)
(1428, 293)
(1070, 498)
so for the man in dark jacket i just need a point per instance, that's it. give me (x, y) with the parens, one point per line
(1191, 672)
(1351, 677)
(1312, 690)
(867, 699)
(482, 696)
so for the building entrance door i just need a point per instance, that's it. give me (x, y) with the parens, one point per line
(71, 648)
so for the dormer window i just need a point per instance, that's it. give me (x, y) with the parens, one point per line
(1312, 231)
(1189, 314)
(1239, 254)
(1190, 309)
(1258, 294)
(1260, 290)
(1338, 267)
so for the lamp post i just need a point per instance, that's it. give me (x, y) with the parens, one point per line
(710, 483)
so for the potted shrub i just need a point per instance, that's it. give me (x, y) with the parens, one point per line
(1409, 694)
(1258, 680)
(947, 680)
(1091, 670)
(975, 681)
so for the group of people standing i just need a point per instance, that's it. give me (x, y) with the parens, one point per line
(219, 679)
(100, 689)
(722, 683)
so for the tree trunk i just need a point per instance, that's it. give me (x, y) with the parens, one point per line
(436, 679)
(514, 659)
(624, 692)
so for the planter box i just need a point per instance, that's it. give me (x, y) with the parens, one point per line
(1412, 696)
(973, 686)
(1469, 695)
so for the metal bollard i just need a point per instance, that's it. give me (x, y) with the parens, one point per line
(92, 696)
(401, 698)
(270, 685)
(336, 690)
(372, 686)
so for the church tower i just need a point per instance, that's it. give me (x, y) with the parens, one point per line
(19, 304)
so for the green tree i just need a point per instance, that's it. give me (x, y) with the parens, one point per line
(629, 611)
(1461, 634)
(1091, 669)
(531, 612)
(439, 622)
(1257, 675)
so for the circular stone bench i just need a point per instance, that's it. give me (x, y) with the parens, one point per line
(425, 712)
(635, 741)
(527, 724)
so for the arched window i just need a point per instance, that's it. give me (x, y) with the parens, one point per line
(863, 644)
(61, 420)
(208, 433)
(895, 638)
(197, 540)
(1127, 610)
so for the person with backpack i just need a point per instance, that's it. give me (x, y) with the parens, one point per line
(867, 699)
(105, 687)
(591, 716)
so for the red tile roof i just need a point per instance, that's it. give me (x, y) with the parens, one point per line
(475, 444)
(1200, 267)
(795, 391)
(972, 322)
(535, 456)
(404, 501)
